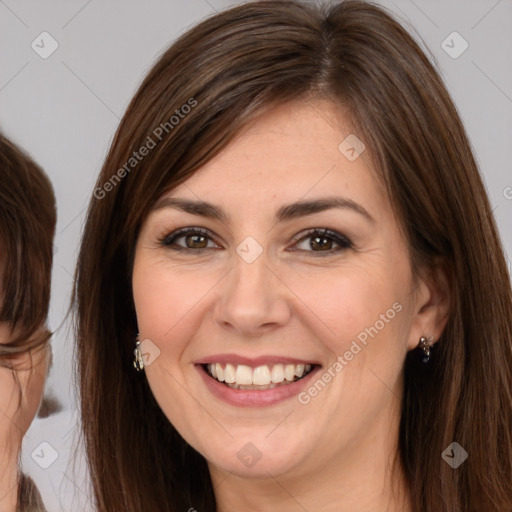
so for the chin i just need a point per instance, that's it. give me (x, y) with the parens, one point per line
(257, 458)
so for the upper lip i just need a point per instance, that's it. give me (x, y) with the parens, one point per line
(253, 362)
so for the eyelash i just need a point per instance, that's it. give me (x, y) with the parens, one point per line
(342, 241)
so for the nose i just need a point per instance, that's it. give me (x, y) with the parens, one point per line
(253, 300)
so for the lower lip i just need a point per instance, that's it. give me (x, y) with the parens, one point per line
(249, 398)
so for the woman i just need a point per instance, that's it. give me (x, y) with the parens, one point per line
(27, 226)
(373, 376)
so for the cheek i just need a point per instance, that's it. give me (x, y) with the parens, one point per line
(9, 405)
(164, 302)
(33, 387)
(349, 301)
(165, 297)
(18, 415)
(9, 398)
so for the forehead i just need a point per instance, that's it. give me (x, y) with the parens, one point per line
(296, 150)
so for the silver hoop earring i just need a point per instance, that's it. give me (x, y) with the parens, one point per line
(138, 362)
(425, 344)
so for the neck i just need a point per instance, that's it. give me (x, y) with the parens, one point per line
(320, 490)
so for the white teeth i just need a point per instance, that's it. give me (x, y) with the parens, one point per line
(229, 374)
(219, 371)
(261, 376)
(259, 388)
(277, 373)
(289, 372)
(244, 377)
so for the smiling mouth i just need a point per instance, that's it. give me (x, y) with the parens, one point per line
(263, 377)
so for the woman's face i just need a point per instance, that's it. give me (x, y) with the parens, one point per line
(24, 379)
(234, 269)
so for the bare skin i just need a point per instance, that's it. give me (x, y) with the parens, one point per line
(305, 296)
(25, 381)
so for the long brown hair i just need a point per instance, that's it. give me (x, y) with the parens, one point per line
(27, 227)
(231, 67)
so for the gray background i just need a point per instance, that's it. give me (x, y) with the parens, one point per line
(64, 111)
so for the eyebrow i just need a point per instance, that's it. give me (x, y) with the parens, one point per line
(285, 213)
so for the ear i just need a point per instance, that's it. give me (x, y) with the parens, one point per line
(432, 299)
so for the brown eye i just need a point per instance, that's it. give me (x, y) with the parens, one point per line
(196, 241)
(322, 241)
(189, 238)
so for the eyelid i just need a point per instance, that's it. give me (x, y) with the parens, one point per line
(341, 240)
(168, 239)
